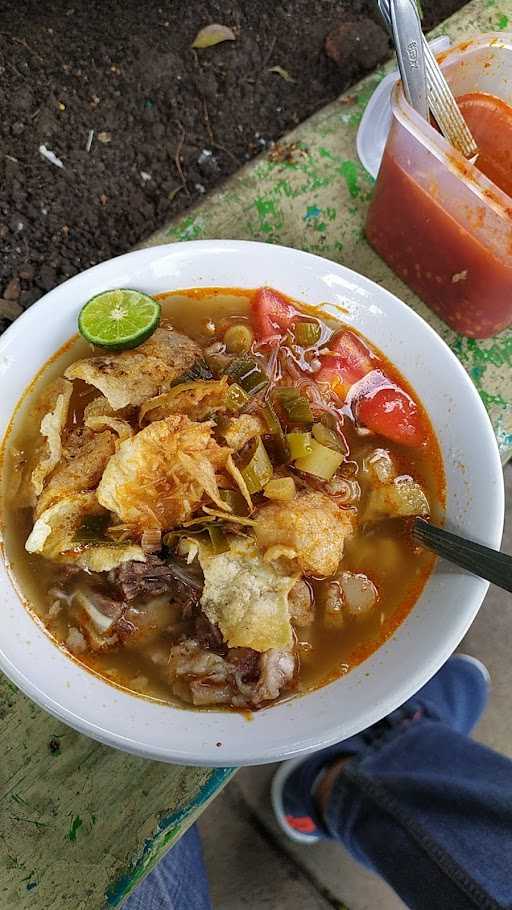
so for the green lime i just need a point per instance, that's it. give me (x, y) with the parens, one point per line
(119, 319)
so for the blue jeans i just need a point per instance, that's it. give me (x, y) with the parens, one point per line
(427, 808)
(179, 881)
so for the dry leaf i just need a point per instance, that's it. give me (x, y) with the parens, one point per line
(280, 71)
(286, 152)
(213, 34)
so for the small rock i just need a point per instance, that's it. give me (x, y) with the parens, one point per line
(349, 43)
(27, 272)
(208, 164)
(16, 223)
(17, 128)
(10, 309)
(46, 279)
(104, 137)
(12, 290)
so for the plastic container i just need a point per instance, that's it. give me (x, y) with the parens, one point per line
(440, 223)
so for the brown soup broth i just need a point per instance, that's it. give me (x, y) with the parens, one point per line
(384, 551)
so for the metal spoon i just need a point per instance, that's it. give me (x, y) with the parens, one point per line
(477, 559)
(407, 36)
(440, 98)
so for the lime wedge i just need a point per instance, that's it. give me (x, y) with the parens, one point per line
(119, 319)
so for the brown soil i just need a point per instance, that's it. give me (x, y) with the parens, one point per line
(169, 122)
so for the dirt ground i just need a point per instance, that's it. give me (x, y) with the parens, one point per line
(143, 124)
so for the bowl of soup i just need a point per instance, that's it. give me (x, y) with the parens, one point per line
(206, 537)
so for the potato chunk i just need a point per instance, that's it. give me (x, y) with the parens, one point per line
(401, 499)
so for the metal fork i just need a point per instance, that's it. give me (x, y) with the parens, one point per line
(477, 559)
(440, 98)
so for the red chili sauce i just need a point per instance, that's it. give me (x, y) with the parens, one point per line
(451, 269)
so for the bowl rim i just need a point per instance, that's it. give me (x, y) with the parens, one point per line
(238, 753)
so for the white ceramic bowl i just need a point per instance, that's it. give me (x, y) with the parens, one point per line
(439, 619)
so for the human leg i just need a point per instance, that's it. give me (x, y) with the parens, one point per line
(414, 799)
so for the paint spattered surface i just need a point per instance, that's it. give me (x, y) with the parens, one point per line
(81, 824)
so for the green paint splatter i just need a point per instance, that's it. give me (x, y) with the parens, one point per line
(502, 22)
(75, 825)
(270, 217)
(312, 211)
(492, 400)
(190, 228)
(477, 373)
(349, 170)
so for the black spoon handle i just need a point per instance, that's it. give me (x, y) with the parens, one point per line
(482, 561)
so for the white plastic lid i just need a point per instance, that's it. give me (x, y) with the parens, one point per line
(376, 120)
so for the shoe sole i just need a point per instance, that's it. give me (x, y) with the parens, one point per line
(276, 796)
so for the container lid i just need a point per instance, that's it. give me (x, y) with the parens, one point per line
(376, 120)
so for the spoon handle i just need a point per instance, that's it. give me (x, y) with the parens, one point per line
(408, 40)
(477, 559)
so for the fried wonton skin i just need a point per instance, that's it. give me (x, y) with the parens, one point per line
(246, 597)
(56, 535)
(85, 455)
(133, 376)
(312, 525)
(52, 428)
(158, 478)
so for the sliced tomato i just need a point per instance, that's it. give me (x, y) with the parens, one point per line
(271, 314)
(392, 413)
(350, 361)
(353, 351)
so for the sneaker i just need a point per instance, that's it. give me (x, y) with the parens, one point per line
(455, 696)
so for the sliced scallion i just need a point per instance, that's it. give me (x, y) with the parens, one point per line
(236, 397)
(306, 334)
(281, 450)
(327, 437)
(258, 469)
(248, 374)
(299, 444)
(295, 406)
(323, 462)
